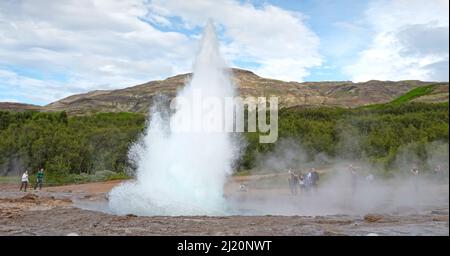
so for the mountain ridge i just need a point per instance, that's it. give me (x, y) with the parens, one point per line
(345, 94)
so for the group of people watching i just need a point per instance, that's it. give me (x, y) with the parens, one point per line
(309, 181)
(438, 173)
(305, 182)
(39, 180)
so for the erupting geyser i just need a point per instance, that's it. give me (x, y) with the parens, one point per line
(183, 173)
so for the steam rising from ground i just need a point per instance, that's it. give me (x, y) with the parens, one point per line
(401, 193)
(183, 173)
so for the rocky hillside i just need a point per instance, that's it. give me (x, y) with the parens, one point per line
(12, 106)
(344, 94)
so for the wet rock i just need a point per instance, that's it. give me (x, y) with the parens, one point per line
(131, 215)
(333, 222)
(30, 198)
(439, 212)
(441, 218)
(373, 218)
(66, 200)
(331, 233)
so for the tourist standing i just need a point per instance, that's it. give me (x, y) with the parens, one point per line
(354, 177)
(24, 183)
(314, 179)
(439, 172)
(39, 179)
(415, 172)
(293, 182)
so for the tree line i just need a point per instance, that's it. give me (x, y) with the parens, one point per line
(66, 145)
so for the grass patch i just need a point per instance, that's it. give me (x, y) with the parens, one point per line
(242, 173)
(405, 98)
(58, 180)
(99, 176)
(414, 93)
(9, 179)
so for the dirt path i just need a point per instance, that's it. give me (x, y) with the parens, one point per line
(95, 187)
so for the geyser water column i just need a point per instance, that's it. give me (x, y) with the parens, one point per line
(183, 173)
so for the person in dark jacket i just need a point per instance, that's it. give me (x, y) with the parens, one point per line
(39, 179)
(293, 182)
(314, 179)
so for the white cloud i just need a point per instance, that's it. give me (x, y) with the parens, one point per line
(73, 46)
(276, 39)
(94, 44)
(410, 42)
(9, 100)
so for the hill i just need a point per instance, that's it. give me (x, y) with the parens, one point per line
(345, 94)
(18, 107)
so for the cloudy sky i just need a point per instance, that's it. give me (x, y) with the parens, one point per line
(51, 49)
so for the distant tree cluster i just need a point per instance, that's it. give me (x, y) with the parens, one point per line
(68, 145)
(377, 133)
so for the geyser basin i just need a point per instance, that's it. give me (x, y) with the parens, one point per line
(183, 173)
(334, 197)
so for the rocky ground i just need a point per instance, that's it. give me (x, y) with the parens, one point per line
(57, 211)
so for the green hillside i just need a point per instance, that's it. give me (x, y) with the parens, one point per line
(414, 93)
